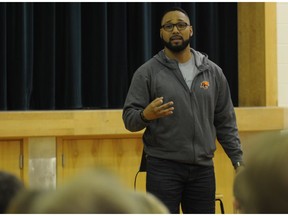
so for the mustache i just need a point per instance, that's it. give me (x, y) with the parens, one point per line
(176, 37)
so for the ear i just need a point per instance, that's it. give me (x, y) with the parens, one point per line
(236, 204)
(191, 31)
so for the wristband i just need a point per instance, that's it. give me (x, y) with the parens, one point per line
(238, 164)
(143, 117)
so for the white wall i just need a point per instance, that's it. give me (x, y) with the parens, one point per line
(282, 52)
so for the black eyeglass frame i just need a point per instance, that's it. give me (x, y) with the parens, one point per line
(175, 24)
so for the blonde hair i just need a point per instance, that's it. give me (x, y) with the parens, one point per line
(264, 181)
(97, 191)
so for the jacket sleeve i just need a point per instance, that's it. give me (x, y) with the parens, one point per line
(138, 97)
(225, 122)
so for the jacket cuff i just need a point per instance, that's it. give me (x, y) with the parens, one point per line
(143, 117)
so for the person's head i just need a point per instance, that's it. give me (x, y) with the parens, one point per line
(176, 30)
(97, 191)
(24, 202)
(262, 186)
(10, 186)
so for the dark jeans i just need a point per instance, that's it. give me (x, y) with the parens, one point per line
(174, 183)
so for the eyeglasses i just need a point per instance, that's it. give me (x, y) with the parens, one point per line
(170, 26)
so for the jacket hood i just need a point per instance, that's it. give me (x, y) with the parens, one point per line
(201, 59)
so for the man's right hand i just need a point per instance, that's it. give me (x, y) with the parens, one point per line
(156, 109)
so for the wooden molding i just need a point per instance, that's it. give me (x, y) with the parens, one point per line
(108, 123)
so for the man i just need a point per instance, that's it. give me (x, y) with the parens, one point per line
(183, 100)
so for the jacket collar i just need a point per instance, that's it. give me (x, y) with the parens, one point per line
(201, 60)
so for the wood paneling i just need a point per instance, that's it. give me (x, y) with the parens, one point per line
(261, 118)
(271, 77)
(98, 138)
(224, 173)
(257, 54)
(109, 123)
(62, 123)
(122, 156)
(10, 153)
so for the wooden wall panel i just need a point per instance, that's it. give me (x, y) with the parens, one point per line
(10, 152)
(122, 156)
(257, 54)
(224, 173)
(271, 78)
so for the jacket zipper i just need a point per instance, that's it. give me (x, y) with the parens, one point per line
(191, 101)
(193, 125)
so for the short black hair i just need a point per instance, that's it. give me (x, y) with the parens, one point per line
(10, 185)
(174, 9)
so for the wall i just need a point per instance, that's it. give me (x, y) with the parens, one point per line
(282, 52)
(54, 145)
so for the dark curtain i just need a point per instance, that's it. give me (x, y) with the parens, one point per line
(83, 55)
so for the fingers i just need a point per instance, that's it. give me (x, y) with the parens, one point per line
(159, 109)
(156, 109)
(165, 108)
(166, 105)
(157, 102)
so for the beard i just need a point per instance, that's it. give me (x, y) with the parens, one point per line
(176, 48)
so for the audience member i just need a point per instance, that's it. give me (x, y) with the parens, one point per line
(24, 202)
(10, 185)
(95, 191)
(262, 186)
(240, 193)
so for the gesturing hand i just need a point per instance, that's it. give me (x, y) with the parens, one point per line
(156, 109)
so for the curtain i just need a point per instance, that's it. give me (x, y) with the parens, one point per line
(56, 56)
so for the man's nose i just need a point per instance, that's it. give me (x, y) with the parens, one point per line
(175, 30)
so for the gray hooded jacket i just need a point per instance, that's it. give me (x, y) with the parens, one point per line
(200, 115)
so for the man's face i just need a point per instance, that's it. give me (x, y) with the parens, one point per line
(175, 38)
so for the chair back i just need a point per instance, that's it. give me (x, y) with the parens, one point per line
(143, 163)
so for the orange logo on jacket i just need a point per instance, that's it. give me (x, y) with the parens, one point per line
(204, 85)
